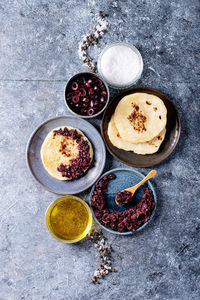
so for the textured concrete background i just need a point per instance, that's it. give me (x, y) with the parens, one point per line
(39, 42)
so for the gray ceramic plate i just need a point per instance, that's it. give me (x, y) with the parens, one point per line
(72, 186)
(124, 178)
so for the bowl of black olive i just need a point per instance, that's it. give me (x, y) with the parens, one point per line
(86, 95)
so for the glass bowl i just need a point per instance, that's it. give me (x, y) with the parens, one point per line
(130, 83)
(85, 232)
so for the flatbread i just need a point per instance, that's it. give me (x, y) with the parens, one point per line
(52, 158)
(140, 148)
(140, 117)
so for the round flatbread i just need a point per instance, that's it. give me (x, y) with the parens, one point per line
(59, 149)
(140, 117)
(140, 148)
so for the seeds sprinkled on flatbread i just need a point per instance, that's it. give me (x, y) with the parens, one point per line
(137, 119)
(138, 122)
(148, 103)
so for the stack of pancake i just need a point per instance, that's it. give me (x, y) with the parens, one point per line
(138, 123)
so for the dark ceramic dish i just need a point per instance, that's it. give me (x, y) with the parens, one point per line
(41, 175)
(173, 129)
(97, 110)
(124, 178)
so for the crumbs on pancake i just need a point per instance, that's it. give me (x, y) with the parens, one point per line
(137, 119)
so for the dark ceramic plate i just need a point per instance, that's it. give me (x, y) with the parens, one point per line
(124, 178)
(59, 186)
(168, 145)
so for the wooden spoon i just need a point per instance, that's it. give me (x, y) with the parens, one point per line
(133, 189)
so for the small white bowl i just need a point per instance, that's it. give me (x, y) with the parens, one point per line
(130, 83)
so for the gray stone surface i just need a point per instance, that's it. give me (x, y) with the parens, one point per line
(39, 40)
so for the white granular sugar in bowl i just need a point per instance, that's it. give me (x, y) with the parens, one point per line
(120, 65)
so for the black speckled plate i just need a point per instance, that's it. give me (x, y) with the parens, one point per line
(41, 175)
(173, 129)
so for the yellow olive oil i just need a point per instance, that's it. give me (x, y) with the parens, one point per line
(69, 219)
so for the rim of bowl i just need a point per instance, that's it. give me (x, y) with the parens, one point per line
(139, 73)
(127, 232)
(107, 89)
(88, 228)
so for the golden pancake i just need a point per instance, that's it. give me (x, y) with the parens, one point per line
(58, 150)
(139, 148)
(140, 117)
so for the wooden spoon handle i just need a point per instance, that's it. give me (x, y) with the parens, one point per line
(150, 175)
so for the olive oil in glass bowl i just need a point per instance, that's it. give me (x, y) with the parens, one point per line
(69, 219)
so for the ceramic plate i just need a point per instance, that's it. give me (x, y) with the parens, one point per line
(124, 178)
(39, 172)
(168, 145)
